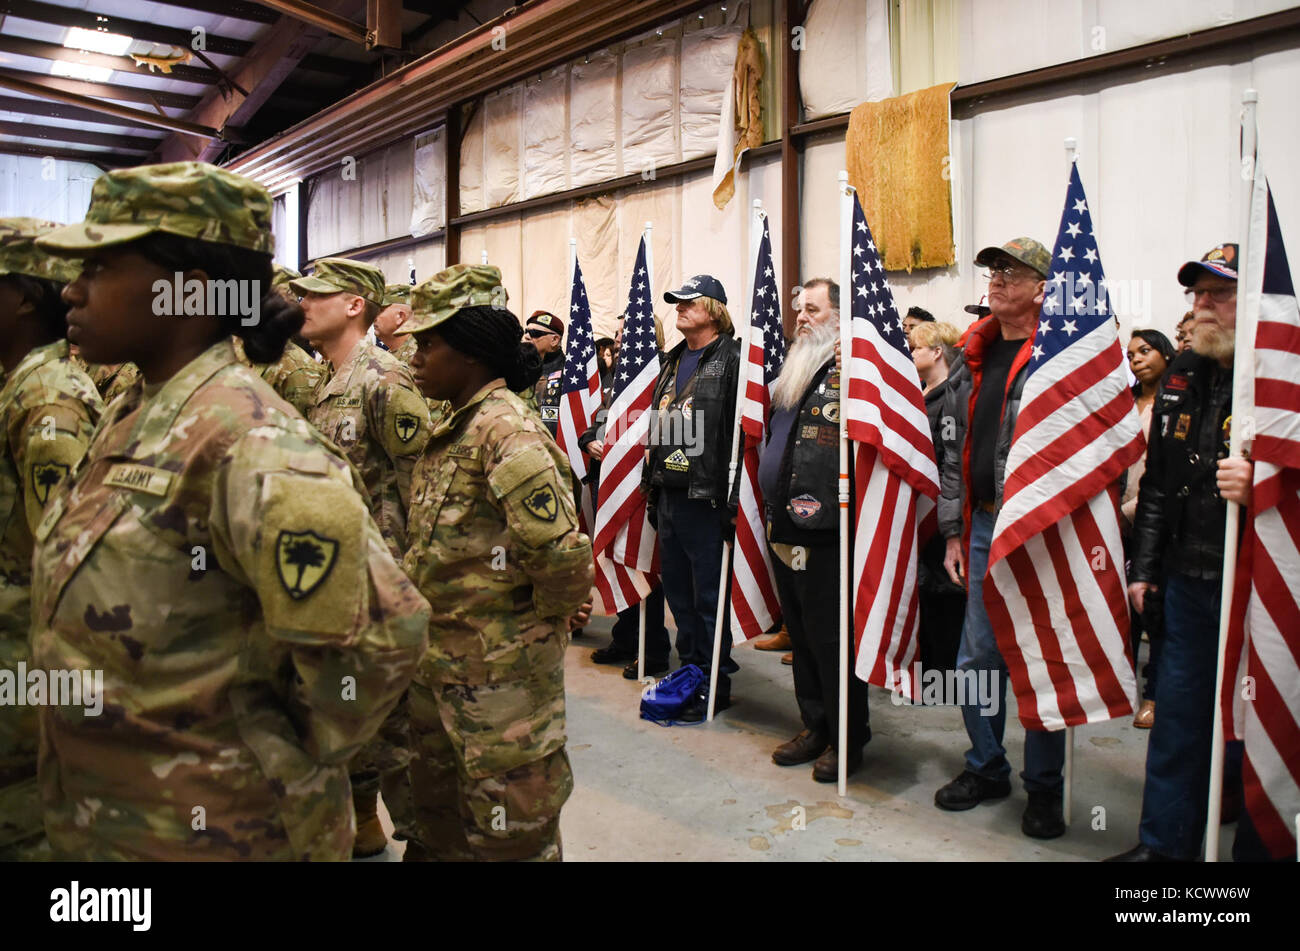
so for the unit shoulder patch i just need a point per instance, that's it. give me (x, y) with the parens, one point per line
(303, 561)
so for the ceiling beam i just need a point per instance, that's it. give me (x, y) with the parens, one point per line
(270, 62)
(136, 29)
(318, 16)
(151, 32)
(137, 116)
(235, 9)
(101, 159)
(56, 53)
(124, 143)
(171, 100)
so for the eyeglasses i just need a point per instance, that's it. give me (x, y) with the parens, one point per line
(539, 334)
(1220, 295)
(1009, 273)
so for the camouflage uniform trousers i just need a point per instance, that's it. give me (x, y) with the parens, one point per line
(382, 767)
(22, 827)
(481, 791)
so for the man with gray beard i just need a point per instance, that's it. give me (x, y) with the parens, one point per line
(798, 473)
(1178, 533)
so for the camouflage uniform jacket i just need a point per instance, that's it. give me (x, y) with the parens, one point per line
(294, 376)
(372, 410)
(214, 559)
(406, 351)
(111, 379)
(49, 408)
(495, 545)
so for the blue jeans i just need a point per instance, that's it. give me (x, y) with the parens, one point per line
(987, 757)
(1177, 789)
(690, 559)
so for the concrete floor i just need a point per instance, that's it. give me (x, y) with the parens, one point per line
(709, 792)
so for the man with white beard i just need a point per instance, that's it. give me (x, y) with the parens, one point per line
(798, 473)
(1178, 533)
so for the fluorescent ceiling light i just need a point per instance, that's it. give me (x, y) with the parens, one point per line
(93, 74)
(97, 41)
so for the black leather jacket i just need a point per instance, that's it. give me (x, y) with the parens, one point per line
(713, 416)
(1180, 518)
(806, 509)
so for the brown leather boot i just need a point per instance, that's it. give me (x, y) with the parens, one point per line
(780, 641)
(370, 839)
(1146, 715)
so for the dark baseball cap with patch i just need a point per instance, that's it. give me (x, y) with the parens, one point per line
(545, 320)
(1027, 251)
(1220, 260)
(701, 285)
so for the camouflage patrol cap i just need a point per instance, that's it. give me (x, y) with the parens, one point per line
(284, 275)
(1025, 250)
(189, 199)
(20, 255)
(450, 290)
(332, 275)
(397, 294)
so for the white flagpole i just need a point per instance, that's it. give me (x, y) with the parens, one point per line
(846, 573)
(1067, 800)
(1243, 375)
(649, 283)
(483, 257)
(755, 239)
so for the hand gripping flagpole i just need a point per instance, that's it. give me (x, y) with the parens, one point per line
(1067, 799)
(640, 635)
(755, 240)
(1243, 374)
(845, 587)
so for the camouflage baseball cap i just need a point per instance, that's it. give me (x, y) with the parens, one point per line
(332, 275)
(397, 294)
(189, 199)
(1025, 250)
(459, 286)
(20, 255)
(284, 275)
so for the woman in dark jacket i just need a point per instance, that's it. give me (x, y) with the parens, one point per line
(943, 604)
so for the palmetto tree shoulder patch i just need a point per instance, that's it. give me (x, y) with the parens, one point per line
(303, 560)
(45, 476)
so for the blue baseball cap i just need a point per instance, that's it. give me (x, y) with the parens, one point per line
(1220, 261)
(701, 285)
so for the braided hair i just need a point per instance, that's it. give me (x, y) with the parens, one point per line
(491, 335)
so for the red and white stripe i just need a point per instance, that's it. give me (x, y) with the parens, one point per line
(755, 607)
(1261, 703)
(896, 478)
(1056, 590)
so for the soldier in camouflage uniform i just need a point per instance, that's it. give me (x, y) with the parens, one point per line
(370, 408)
(110, 379)
(213, 557)
(48, 410)
(397, 311)
(496, 549)
(294, 376)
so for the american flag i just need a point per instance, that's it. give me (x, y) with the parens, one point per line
(624, 541)
(1056, 593)
(1264, 637)
(896, 477)
(754, 604)
(580, 385)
